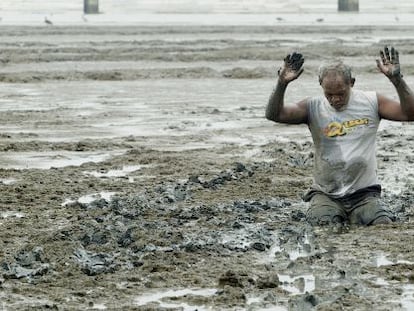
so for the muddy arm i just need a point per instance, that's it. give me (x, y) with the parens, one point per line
(276, 110)
(406, 97)
(389, 65)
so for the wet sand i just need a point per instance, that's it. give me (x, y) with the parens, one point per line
(138, 173)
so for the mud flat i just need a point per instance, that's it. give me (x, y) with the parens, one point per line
(138, 173)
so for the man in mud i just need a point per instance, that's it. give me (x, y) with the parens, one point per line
(343, 123)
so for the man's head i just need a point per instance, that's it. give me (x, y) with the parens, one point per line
(336, 81)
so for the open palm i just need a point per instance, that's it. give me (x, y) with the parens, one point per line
(292, 67)
(389, 64)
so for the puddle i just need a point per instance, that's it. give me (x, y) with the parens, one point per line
(298, 253)
(86, 199)
(8, 181)
(98, 306)
(120, 173)
(159, 296)
(381, 282)
(47, 160)
(236, 240)
(253, 301)
(275, 248)
(298, 284)
(295, 285)
(115, 173)
(382, 260)
(303, 249)
(407, 297)
(257, 154)
(271, 253)
(244, 238)
(9, 214)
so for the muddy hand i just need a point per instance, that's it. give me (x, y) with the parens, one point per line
(389, 64)
(292, 67)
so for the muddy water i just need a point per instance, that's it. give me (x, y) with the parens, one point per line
(138, 172)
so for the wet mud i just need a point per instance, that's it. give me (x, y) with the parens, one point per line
(118, 201)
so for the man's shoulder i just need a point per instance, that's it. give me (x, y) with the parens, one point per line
(363, 95)
(363, 92)
(315, 99)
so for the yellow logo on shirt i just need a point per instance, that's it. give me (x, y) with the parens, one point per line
(339, 129)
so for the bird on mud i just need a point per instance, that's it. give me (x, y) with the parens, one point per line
(48, 21)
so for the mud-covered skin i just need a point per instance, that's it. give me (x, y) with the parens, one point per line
(226, 218)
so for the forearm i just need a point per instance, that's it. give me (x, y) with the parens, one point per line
(276, 102)
(406, 96)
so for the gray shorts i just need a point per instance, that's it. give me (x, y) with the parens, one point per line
(361, 209)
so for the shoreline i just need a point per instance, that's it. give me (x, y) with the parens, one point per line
(211, 19)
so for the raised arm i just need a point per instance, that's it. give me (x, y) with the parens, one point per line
(276, 109)
(389, 65)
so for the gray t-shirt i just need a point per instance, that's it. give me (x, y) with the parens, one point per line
(345, 143)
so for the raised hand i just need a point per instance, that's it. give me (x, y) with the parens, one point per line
(389, 64)
(292, 67)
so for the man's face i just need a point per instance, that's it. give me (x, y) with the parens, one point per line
(336, 90)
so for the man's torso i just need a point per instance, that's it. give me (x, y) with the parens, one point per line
(345, 143)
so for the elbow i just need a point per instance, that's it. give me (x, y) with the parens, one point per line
(271, 117)
(409, 115)
(272, 114)
(268, 116)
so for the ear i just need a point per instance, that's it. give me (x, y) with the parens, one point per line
(352, 82)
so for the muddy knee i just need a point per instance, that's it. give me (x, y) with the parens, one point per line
(324, 219)
(325, 211)
(382, 220)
